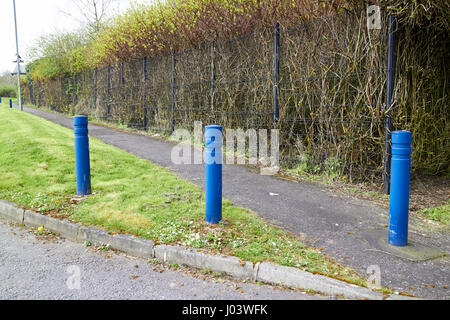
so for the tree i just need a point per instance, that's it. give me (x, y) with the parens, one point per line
(7, 79)
(94, 12)
(58, 54)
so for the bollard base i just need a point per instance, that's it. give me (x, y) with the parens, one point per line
(213, 221)
(414, 251)
(398, 243)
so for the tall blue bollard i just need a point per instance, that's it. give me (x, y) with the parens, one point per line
(213, 165)
(10, 103)
(82, 166)
(399, 198)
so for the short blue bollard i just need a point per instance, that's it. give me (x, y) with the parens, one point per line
(399, 198)
(213, 165)
(82, 165)
(0, 99)
(10, 103)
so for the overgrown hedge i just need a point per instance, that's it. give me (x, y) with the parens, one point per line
(332, 77)
(7, 91)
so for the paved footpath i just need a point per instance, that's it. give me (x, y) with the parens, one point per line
(33, 268)
(350, 230)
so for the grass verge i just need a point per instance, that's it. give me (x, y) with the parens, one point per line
(135, 196)
(439, 214)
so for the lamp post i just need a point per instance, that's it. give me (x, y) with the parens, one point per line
(18, 57)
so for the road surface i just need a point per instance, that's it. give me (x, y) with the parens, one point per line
(47, 267)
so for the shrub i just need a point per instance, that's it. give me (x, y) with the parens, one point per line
(7, 91)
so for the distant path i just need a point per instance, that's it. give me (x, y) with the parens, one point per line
(346, 229)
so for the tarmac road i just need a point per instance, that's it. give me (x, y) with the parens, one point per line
(47, 267)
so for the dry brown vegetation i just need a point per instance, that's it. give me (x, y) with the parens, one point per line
(332, 77)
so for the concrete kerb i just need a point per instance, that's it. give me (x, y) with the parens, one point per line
(292, 277)
(64, 228)
(264, 272)
(138, 247)
(190, 257)
(11, 212)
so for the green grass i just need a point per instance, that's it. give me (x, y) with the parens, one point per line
(132, 195)
(440, 214)
(5, 100)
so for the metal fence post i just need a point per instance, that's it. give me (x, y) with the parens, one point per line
(31, 92)
(213, 173)
(172, 115)
(144, 97)
(399, 198)
(108, 106)
(94, 93)
(213, 81)
(82, 164)
(122, 80)
(63, 98)
(76, 89)
(389, 95)
(276, 73)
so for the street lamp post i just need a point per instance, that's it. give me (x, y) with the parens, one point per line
(18, 57)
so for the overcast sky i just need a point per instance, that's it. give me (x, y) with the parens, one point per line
(35, 18)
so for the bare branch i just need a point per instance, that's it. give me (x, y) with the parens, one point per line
(94, 12)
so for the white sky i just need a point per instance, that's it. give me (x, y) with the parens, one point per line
(35, 18)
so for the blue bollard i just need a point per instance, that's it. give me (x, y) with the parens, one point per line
(399, 198)
(0, 99)
(10, 103)
(213, 165)
(82, 165)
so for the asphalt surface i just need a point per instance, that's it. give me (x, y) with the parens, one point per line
(34, 267)
(347, 229)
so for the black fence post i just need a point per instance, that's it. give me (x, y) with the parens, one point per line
(144, 97)
(276, 73)
(94, 91)
(76, 89)
(108, 106)
(172, 115)
(31, 92)
(389, 95)
(65, 94)
(213, 82)
(122, 80)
